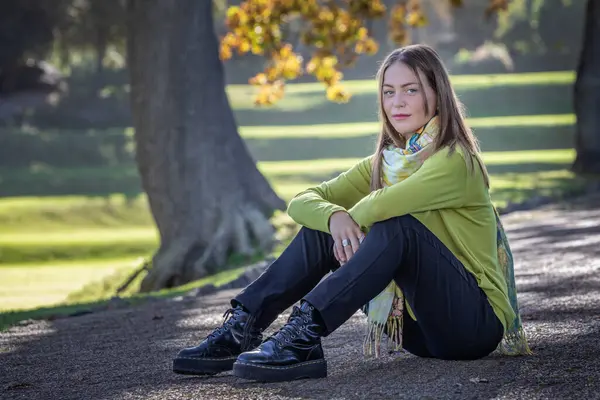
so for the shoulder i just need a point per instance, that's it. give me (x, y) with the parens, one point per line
(365, 164)
(453, 159)
(361, 169)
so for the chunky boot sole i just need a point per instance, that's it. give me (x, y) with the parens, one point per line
(268, 373)
(202, 366)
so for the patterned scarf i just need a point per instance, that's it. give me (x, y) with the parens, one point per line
(386, 310)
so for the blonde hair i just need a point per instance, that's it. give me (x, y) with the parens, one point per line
(451, 112)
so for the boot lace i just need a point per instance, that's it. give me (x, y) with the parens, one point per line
(228, 319)
(296, 323)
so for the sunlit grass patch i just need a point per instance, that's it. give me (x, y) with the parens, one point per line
(343, 130)
(26, 286)
(475, 81)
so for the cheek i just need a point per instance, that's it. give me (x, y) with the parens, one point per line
(417, 105)
(387, 104)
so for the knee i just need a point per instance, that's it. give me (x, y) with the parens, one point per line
(308, 231)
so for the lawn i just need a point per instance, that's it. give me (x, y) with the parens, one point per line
(34, 285)
(72, 235)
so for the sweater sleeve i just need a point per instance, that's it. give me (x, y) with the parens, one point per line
(439, 183)
(313, 207)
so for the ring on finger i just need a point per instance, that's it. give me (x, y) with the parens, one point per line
(345, 242)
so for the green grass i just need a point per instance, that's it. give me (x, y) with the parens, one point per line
(460, 82)
(484, 96)
(39, 215)
(327, 166)
(346, 130)
(106, 288)
(79, 228)
(30, 286)
(35, 248)
(97, 294)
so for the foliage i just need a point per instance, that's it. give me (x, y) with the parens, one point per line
(336, 30)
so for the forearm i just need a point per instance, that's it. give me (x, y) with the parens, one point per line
(311, 210)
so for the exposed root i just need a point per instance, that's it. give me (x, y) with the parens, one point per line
(216, 249)
(167, 265)
(245, 231)
(143, 267)
(241, 236)
(261, 228)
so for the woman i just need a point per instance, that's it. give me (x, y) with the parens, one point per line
(410, 234)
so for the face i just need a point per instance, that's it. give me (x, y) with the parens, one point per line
(404, 100)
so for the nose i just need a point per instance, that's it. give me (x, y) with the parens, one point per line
(399, 104)
(399, 101)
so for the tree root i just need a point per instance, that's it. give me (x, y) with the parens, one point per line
(143, 267)
(245, 231)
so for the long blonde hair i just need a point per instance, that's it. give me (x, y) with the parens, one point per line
(451, 112)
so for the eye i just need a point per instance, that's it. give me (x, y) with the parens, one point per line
(388, 92)
(411, 91)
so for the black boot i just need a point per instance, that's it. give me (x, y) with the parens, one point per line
(294, 352)
(219, 350)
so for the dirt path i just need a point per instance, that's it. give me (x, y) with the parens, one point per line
(126, 354)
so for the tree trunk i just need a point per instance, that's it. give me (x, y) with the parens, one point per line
(205, 192)
(587, 96)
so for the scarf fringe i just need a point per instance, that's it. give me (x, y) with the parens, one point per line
(374, 337)
(515, 343)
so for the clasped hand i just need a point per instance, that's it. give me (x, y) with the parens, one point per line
(346, 234)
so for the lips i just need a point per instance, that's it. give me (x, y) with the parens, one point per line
(400, 117)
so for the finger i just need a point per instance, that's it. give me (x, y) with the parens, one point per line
(361, 236)
(356, 239)
(354, 244)
(348, 248)
(340, 249)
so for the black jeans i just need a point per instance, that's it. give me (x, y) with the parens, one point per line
(454, 317)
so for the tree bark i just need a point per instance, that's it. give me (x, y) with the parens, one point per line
(587, 96)
(204, 190)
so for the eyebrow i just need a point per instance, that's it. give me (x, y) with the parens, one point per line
(404, 85)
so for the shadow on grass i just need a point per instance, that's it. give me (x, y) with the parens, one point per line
(491, 139)
(519, 181)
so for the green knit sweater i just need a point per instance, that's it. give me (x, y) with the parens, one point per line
(451, 201)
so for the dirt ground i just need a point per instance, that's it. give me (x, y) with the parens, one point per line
(127, 353)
